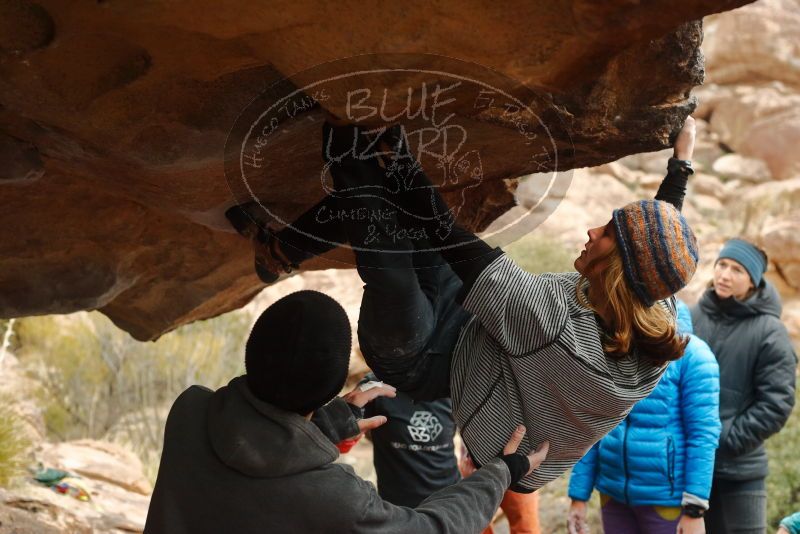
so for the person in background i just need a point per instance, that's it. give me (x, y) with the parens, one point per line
(739, 317)
(654, 470)
(414, 456)
(790, 524)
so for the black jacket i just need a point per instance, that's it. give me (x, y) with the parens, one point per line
(413, 452)
(232, 463)
(757, 376)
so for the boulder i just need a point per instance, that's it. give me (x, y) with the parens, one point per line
(737, 191)
(115, 117)
(24, 513)
(706, 184)
(771, 198)
(735, 166)
(706, 204)
(705, 154)
(110, 509)
(649, 183)
(649, 162)
(756, 43)
(708, 97)
(620, 171)
(751, 97)
(791, 318)
(764, 123)
(98, 460)
(118, 493)
(781, 241)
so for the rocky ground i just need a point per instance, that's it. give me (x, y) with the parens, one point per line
(113, 478)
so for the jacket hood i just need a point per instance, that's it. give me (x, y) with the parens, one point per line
(260, 440)
(765, 301)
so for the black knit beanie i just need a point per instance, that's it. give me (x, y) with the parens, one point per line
(298, 352)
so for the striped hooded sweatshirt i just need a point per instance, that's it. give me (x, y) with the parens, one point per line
(531, 354)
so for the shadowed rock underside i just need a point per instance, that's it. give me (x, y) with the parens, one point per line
(114, 118)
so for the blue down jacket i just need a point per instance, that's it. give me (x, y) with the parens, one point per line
(666, 445)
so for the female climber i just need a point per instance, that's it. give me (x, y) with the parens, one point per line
(566, 355)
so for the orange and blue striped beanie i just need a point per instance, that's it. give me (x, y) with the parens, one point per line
(658, 248)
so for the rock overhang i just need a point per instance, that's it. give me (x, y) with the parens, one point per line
(114, 118)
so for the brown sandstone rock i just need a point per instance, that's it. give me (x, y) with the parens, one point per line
(587, 204)
(111, 510)
(705, 154)
(706, 184)
(708, 96)
(649, 162)
(791, 318)
(119, 495)
(781, 241)
(98, 460)
(754, 82)
(114, 116)
(757, 43)
(769, 199)
(734, 166)
(706, 204)
(764, 123)
(650, 182)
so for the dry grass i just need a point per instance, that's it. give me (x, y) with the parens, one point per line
(13, 447)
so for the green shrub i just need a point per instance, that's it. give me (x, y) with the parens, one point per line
(13, 446)
(539, 254)
(98, 382)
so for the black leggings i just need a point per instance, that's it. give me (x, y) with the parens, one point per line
(737, 507)
(409, 320)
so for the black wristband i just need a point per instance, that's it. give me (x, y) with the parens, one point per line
(680, 166)
(694, 511)
(518, 465)
(336, 420)
(358, 411)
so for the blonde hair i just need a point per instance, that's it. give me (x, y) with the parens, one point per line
(650, 330)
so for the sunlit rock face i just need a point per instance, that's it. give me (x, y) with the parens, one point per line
(114, 118)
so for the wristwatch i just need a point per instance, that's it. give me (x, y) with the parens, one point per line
(694, 511)
(680, 166)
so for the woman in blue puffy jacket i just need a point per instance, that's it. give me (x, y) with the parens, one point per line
(654, 470)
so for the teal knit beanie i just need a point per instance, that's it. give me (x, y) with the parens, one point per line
(753, 259)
